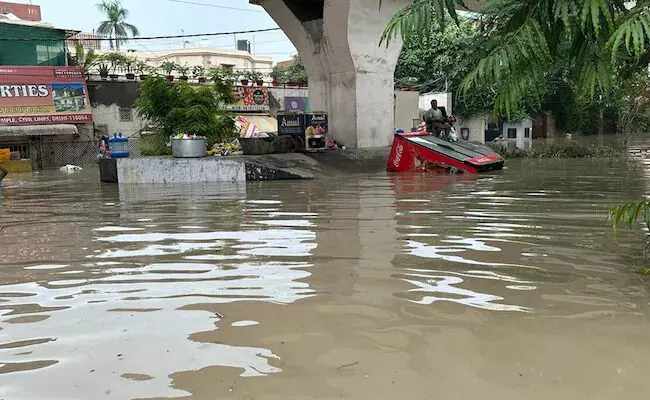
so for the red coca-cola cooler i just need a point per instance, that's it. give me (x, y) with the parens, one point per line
(421, 151)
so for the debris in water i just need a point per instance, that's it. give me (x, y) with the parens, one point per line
(71, 168)
(347, 366)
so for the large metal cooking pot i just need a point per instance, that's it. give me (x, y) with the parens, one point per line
(188, 148)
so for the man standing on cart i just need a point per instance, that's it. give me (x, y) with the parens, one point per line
(436, 120)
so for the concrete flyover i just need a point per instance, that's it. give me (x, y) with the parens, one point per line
(350, 75)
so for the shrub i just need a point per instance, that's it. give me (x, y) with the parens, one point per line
(184, 108)
(567, 149)
(154, 145)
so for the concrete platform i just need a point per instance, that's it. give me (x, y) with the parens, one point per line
(287, 166)
(179, 170)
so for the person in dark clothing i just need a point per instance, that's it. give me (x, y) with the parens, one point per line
(436, 119)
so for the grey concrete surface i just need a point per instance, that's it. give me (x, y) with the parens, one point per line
(285, 166)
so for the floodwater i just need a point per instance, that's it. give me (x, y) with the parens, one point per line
(504, 286)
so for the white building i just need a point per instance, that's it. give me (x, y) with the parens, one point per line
(206, 57)
(483, 129)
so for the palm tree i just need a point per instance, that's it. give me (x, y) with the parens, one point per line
(115, 25)
(522, 39)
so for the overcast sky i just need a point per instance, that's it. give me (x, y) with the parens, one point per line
(172, 17)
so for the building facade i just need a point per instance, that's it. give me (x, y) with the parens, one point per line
(207, 58)
(210, 57)
(44, 109)
(38, 43)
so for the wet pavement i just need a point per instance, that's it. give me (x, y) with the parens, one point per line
(504, 286)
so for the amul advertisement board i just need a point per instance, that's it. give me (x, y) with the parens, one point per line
(43, 95)
(250, 98)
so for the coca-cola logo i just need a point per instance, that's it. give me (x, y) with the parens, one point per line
(398, 155)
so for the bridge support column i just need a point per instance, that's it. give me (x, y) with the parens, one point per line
(350, 75)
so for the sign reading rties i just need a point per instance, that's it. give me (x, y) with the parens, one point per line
(24, 91)
(43, 95)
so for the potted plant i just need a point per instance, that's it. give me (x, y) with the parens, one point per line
(183, 70)
(142, 68)
(84, 59)
(199, 73)
(130, 66)
(103, 69)
(115, 60)
(254, 76)
(244, 78)
(257, 77)
(169, 67)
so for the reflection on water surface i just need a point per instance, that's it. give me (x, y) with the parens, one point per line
(305, 289)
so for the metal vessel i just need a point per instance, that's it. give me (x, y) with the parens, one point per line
(188, 148)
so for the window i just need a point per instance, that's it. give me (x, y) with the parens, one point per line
(527, 133)
(207, 61)
(228, 66)
(512, 133)
(46, 54)
(126, 114)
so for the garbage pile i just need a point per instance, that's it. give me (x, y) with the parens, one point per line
(232, 148)
(188, 137)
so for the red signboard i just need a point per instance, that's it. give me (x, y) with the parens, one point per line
(27, 12)
(43, 95)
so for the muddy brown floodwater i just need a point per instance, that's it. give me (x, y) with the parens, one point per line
(505, 286)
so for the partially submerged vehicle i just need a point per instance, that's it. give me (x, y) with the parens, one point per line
(423, 151)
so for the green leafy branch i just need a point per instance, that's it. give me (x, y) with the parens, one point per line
(630, 213)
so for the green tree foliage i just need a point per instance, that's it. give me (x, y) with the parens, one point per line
(184, 108)
(437, 59)
(82, 58)
(630, 213)
(115, 25)
(295, 72)
(525, 39)
(632, 102)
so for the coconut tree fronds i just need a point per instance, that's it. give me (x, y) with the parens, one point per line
(421, 16)
(630, 213)
(115, 26)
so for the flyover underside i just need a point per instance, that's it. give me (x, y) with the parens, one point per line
(350, 75)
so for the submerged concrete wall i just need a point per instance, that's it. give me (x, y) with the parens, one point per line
(176, 170)
(350, 75)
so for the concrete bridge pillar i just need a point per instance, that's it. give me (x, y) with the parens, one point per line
(350, 76)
